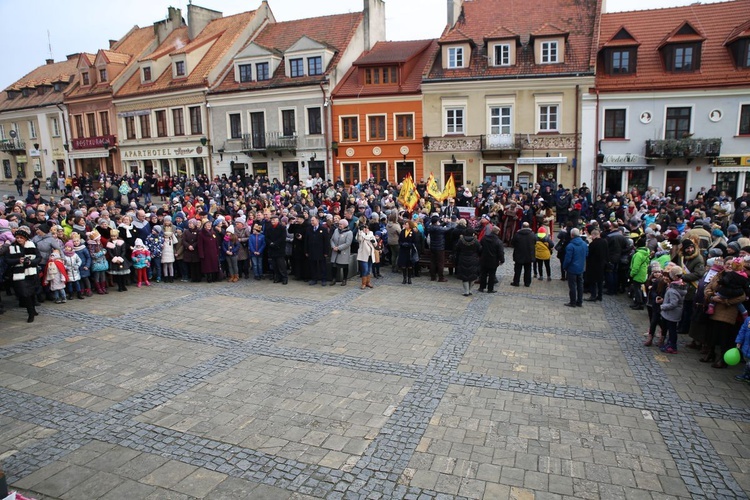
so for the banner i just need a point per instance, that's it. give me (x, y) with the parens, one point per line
(450, 189)
(433, 190)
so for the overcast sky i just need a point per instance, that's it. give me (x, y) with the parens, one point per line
(86, 26)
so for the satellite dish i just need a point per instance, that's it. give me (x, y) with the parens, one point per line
(12, 134)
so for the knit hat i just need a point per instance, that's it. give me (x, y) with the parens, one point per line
(24, 231)
(68, 249)
(655, 266)
(167, 218)
(138, 242)
(157, 228)
(734, 246)
(180, 214)
(715, 252)
(542, 230)
(230, 229)
(285, 220)
(44, 227)
(732, 229)
(675, 273)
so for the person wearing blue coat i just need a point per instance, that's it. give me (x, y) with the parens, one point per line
(573, 265)
(743, 344)
(255, 245)
(79, 247)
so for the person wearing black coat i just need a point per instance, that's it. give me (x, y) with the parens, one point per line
(437, 234)
(524, 252)
(276, 245)
(596, 265)
(467, 259)
(493, 255)
(22, 258)
(317, 250)
(408, 254)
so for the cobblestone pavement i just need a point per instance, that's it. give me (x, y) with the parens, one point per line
(254, 390)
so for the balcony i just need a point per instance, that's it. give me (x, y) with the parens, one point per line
(501, 142)
(269, 142)
(549, 141)
(12, 146)
(462, 143)
(688, 148)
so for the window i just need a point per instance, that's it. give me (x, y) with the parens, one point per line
(315, 65)
(91, 122)
(246, 73)
(350, 128)
(685, 57)
(376, 125)
(500, 120)
(147, 74)
(145, 121)
(455, 57)
(161, 123)
(457, 169)
(25, 92)
(179, 124)
(745, 119)
(55, 129)
(549, 52)
(621, 61)
(79, 126)
(2, 131)
(377, 76)
(103, 75)
(85, 77)
(314, 121)
(548, 118)
(196, 126)
(261, 71)
(404, 126)
(614, 124)
(454, 120)
(179, 68)
(288, 125)
(296, 68)
(678, 123)
(130, 127)
(379, 171)
(57, 86)
(235, 126)
(351, 173)
(104, 122)
(502, 55)
(32, 130)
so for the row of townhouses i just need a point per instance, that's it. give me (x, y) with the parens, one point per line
(532, 91)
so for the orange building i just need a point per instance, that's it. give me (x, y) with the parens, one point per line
(377, 113)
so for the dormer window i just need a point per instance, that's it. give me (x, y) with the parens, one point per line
(381, 76)
(315, 65)
(455, 57)
(179, 68)
(549, 52)
(57, 86)
(620, 61)
(12, 94)
(146, 74)
(741, 52)
(246, 72)
(41, 90)
(502, 55)
(25, 92)
(85, 78)
(103, 75)
(296, 67)
(682, 57)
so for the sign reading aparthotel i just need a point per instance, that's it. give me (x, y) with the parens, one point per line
(162, 152)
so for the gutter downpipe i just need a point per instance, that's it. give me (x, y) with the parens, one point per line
(329, 161)
(598, 148)
(575, 150)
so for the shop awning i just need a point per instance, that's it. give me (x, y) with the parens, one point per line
(626, 166)
(730, 169)
(81, 155)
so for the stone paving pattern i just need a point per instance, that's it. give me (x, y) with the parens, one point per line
(255, 390)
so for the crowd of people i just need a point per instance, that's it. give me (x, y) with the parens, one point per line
(685, 263)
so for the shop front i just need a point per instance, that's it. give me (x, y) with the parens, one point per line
(183, 161)
(542, 170)
(92, 155)
(500, 174)
(731, 175)
(625, 172)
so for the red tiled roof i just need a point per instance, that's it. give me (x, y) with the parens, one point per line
(741, 31)
(501, 33)
(422, 52)
(64, 71)
(715, 23)
(675, 37)
(484, 19)
(621, 42)
(334, 31)
(116, 57)
(221, 33)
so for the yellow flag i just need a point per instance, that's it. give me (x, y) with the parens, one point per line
(409, 197)
(433, 190)
(450, 189)
(404, 190)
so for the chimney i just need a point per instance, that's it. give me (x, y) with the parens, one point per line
(70, 57)
(49, 61)
(162, 29)
(374, 22)
(198, 18)
(112, 43)
(454, 11)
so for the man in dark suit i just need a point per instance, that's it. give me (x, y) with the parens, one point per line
(276, 245)
(317, 248)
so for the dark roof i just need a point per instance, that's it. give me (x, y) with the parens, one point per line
(484, 20)
(715, 24)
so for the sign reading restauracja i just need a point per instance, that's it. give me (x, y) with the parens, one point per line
(158, 153)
